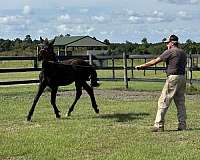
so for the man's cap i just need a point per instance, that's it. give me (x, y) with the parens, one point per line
(172, 38)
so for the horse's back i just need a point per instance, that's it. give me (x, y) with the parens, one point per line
(76, 62)
(82, 68)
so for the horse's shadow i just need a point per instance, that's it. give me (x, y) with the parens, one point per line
(124, 117)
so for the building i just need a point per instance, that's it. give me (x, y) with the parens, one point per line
(79, 45)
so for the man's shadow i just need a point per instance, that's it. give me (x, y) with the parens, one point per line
(187, 129)
(124, 117)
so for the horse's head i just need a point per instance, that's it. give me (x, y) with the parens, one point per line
(46, 52)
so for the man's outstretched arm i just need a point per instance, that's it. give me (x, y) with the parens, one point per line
(150, 63)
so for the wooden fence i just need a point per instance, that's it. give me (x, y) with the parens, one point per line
(192, 65)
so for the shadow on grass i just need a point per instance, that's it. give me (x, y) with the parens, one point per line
(188, 129)
(124, 117)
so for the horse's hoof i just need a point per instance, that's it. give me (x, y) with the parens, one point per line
(58, 116)
(67, 115)
(97, 111)
(28, 118)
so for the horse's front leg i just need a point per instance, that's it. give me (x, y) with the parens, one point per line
(78, 95)
(41, 88)
(53, 101)
(90, 91)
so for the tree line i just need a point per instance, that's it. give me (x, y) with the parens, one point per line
(151, 48)
(27, 47)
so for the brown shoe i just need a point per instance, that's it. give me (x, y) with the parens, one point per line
(156, 129)
(181, 126)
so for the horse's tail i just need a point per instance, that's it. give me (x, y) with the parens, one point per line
(94, 78)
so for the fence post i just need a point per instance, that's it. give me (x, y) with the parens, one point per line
(189, 66)
(35, 63)
(145, 61)
(113, 66)
(132, 68)
(36, 59)
(90, 58)
(125, 70)
(90, 62)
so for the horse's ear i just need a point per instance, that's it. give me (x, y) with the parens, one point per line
(52, 42)
(41, 40)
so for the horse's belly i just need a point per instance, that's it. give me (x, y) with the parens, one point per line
(60, 82)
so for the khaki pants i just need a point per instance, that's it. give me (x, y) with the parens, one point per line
(174, 88)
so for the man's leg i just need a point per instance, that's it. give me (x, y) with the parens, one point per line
(179, 100)
(164, 101)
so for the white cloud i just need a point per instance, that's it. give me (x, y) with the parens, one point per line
(181, 1)
(64, 18)
(131, 12)
(184, 15)
(84, 10)
(26, 10)
(194, 1)
(75, 29)
(158, 13)
(41, 31)
(98, 18)
(62, 28)
(155, 19)
(104, 32)
(13, 20)
(158, 17)
(135, 19)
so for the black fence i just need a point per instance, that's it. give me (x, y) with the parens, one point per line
(192, 65)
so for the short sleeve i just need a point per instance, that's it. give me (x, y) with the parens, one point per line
(165, 55)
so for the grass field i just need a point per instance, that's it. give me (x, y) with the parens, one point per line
(120, 132)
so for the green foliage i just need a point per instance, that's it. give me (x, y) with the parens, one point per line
(27, 46)
(18, 47)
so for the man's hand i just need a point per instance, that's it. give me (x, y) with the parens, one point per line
(139, 67)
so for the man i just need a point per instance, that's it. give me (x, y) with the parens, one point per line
(175, 84)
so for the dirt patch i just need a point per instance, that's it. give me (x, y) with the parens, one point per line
(115, 94)
(123, 94)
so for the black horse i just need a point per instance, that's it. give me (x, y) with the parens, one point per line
(55, 74)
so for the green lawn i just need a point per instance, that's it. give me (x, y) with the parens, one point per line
(120, 132)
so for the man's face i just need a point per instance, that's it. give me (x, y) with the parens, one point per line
(169, 45)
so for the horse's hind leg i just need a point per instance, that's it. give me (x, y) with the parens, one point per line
(41, 88)
(53, 101)
(90, 91)
(78, 95)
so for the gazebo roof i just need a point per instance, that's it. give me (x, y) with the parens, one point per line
(78, 41)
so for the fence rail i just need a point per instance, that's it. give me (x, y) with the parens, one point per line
(192, 65)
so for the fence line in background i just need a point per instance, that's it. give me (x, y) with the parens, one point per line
(191, 66)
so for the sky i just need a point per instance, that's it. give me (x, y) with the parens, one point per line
(115, 20)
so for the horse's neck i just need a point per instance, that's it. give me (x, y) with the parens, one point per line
(55, 57)
(46, 63)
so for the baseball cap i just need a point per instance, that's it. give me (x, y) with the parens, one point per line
(172, 38)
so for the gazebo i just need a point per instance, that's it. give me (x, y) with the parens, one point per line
(79, 45)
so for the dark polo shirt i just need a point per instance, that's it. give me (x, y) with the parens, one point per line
(176, 60)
